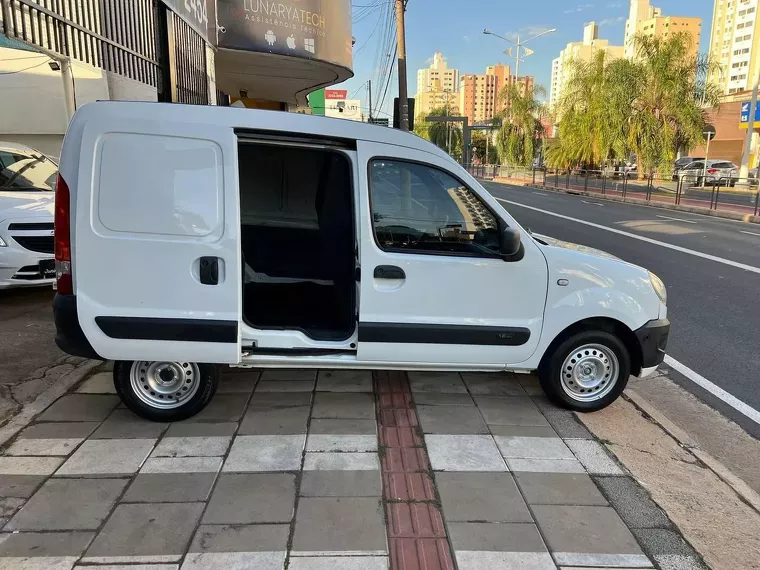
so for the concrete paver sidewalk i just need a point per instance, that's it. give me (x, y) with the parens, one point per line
(330, 469)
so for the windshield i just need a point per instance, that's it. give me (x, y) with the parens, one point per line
(23, 171)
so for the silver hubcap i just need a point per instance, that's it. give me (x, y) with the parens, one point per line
(589, 373)
(164, 385)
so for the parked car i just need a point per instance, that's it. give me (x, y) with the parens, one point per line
(190, 237)
(27, 184)
(717, 172)
(682, 162)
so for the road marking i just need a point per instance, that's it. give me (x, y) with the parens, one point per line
(540, 193)
(593, 203)
(750, 233)
(676, 219)
(641, 238)
(718, 392)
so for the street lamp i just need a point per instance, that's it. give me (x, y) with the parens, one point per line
(519, 44)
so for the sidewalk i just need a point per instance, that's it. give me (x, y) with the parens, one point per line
(336, 470)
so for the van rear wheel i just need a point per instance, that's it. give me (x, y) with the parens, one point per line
(165, 391)
(586, 372)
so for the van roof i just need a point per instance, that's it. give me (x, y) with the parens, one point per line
(254, 119)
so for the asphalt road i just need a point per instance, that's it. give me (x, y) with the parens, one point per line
(712, 306)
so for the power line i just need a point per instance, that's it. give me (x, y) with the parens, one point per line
(388, 82)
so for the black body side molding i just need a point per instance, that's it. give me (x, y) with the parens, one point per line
(404, 333)
(188, 330)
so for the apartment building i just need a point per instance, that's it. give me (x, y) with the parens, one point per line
(480, 95)
(437, 86)
(579, 51)
(734, 45)
(646, 20)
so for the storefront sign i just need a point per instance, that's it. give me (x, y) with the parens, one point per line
(312, 29)
(337, 94)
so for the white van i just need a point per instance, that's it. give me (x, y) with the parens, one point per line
(189, 237)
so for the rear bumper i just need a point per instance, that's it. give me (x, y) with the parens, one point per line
(69, 335)
(653, 339)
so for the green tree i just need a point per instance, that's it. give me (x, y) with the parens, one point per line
(520, 124)
(592, 113)
(651, 106)
(667, 111)
(479, 146)
(439, 133)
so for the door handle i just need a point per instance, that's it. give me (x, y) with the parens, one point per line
(389, 272)
(209, 270)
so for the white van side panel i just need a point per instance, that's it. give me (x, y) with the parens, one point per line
(153, 199)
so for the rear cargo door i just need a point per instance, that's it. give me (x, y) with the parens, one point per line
(156, 250)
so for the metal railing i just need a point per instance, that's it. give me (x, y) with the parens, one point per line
(725, 193)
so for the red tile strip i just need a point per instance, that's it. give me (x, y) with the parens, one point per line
(416, 532)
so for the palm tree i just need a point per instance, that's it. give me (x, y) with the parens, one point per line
(520, 124)
(651, 106)
(592, 113)
(667, 112)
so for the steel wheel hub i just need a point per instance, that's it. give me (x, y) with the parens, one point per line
(589, 372)
(164, 385)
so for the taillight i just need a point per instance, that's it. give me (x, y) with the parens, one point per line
(65, 283)
(711, 171)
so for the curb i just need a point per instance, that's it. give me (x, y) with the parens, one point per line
(721, 471)
(19, 421)
(747, 218)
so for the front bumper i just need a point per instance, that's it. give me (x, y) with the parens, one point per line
(20, 266)
(653, 339)
(69, 335)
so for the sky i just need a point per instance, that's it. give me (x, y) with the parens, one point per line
(455, 28)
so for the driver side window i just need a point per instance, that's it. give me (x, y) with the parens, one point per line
(420, 209)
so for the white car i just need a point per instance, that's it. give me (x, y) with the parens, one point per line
(27, 184)
(723, 172)
(189, 237)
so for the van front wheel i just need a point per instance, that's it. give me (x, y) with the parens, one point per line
(586, 372)
(165, 391)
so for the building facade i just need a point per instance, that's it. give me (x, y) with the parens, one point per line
(438, 77)
(437, 87)
(734, 45)
(480, 96)
(262, 54)
(646, 20)
(579, 51)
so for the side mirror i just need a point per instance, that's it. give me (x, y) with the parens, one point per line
(510, 242)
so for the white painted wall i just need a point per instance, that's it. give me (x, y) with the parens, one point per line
(125, 89)
(32, 109)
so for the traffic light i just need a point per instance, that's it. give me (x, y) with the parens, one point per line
(396, 122)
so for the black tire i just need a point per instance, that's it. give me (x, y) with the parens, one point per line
(550, 371)
(208, 382)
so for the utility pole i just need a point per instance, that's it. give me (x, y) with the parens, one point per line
(403, 96)
(448, 125)
(744, 169)
(369, 92)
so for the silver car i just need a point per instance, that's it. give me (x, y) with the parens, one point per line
(716, 172)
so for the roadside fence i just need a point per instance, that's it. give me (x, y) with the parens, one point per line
(725, 192)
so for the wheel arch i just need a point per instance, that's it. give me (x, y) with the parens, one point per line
(607, 324)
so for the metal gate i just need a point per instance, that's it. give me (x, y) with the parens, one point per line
(187, 62)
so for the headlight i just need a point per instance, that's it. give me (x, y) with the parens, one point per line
(659, 288)
(2, 243)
